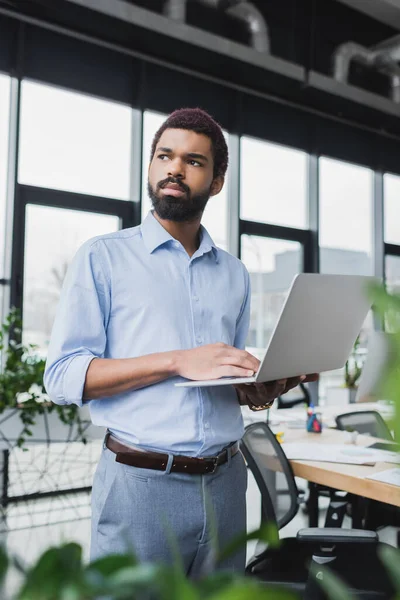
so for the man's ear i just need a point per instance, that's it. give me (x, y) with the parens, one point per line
(217, 185)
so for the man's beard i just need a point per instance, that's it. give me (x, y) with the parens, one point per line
(172, 208)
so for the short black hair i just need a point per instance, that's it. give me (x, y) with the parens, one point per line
(199, 121)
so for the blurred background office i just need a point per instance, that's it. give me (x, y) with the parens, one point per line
(308, 95)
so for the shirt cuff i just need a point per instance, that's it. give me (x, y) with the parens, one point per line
(74, 378)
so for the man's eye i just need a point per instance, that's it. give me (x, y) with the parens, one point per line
(162, 156)
(195, 163)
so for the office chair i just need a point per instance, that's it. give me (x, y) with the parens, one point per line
(365, 422)
(375, 514)
(352, 554)
(337, 506)
(292, 398)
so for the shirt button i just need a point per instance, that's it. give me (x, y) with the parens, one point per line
(207, 425)
(196, 298)
(199, 340)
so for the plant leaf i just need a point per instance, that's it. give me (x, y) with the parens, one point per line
(254, 590)
(4, 563)
(332, 585)
(391, 559)
(56, 570)
(267, 532)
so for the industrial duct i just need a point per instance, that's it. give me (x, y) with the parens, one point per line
(240, 9)
(383, 57)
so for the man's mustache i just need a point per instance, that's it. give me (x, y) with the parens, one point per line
(180, 184)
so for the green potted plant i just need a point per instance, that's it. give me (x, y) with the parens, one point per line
(352, 370)
(25, 410)
(346, 393)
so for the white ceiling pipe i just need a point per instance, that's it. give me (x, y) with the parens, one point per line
(239, 9)
(381, 58)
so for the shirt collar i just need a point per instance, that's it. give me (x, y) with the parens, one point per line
(154, 235)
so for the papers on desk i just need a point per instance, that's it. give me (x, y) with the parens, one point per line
(338, 453)
(391, 476)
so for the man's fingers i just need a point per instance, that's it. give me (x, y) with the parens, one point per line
(241, 359)
(231, 371)
(312, 377)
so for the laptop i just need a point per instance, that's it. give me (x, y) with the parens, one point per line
(315, 332)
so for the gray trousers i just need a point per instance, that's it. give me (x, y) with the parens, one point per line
(139, 509)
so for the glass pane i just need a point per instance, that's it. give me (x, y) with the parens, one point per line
(392, 208)
(4, 131)
(74, 142)
(273, 183)
(392, 280)
(345, 218)
(346, 195)
(64, 231)
(215, 214)
(272, 264)
(392, 274)
(152, 121)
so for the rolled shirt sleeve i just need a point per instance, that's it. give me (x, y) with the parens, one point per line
(79, 330)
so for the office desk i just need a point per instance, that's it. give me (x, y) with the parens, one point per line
(349, 478)
(329, 413)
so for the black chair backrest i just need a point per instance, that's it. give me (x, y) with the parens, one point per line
(272, 472)
(299, 395)
(367, 421)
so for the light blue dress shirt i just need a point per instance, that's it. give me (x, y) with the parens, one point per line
(137, 292)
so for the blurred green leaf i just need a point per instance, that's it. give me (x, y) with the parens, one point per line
(388, 308)
(4, 562)
(217, 581)
(391, 559)
(57, 570)
(268, 533)
(173, 586)
(130, 581)
(332, 585)
(112, 563)
(253, 590)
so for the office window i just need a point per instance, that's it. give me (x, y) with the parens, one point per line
(346, 194)
(215, 215)
(273, 183)
(4, 131)
(152, 121)
(392, 209)
(392, 273)
(345, 218)
(74, 142)
(63, 231)
(272, 264)
(392, 280)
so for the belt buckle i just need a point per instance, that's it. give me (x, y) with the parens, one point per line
(214, 464)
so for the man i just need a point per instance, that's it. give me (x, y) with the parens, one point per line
(141, 309)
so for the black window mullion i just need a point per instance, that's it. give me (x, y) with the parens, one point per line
(25, 195)
(392, 249)
(82, 202)
(290, 234)
(274, 231)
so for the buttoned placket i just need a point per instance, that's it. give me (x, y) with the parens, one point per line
(195, 306)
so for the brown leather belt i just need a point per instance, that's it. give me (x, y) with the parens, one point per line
(158, 460)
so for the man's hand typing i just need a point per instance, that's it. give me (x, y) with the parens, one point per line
(214, 361)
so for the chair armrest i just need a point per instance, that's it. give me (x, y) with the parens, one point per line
(332, 535)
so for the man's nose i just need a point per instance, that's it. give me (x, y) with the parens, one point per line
(176, 168)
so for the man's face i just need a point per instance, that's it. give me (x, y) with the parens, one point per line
(181, 175)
